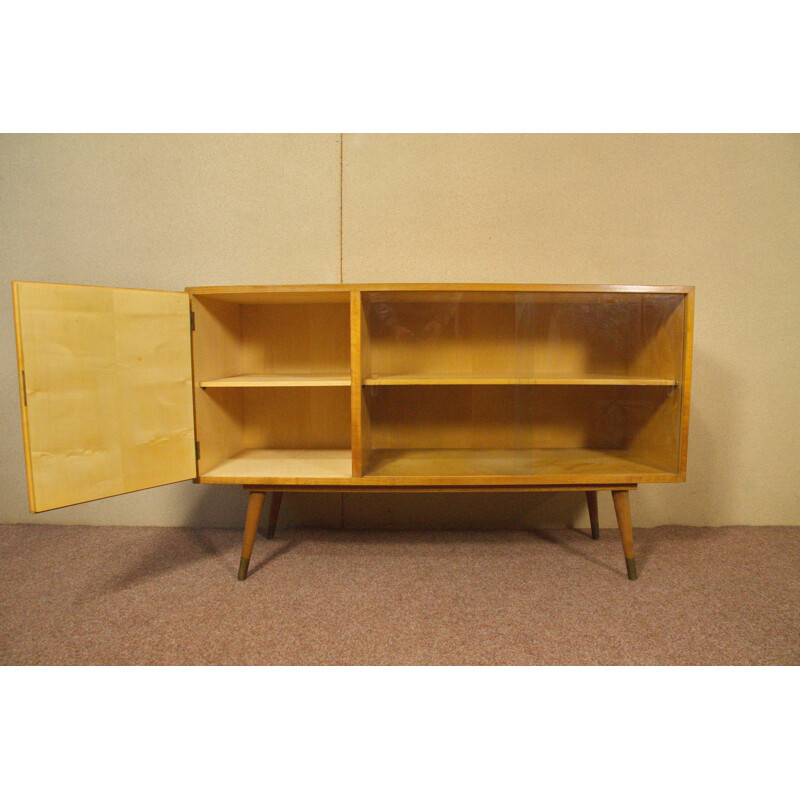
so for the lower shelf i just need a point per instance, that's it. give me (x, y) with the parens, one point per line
(249, 466)
(436, 467)
(571, 462)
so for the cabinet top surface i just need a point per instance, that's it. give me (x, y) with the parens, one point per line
(460, 287)
(323, 289)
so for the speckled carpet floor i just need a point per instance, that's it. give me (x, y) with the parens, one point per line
(123, 595)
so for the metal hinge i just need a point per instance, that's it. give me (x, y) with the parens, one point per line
(196, 450)
(191, 320)
(24, 390)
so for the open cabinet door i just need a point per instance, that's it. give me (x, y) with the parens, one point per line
(106, 390)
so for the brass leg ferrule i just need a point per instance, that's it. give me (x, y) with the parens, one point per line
(630, 563)
(245, 563)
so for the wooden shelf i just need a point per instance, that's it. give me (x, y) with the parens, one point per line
(515, 380)
(562, 466)
(273, 295)
(564, 463)
(330, 379)
(250, 466)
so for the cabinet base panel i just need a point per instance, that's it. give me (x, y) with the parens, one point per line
(249, 466)
(569, 462)
(436, 468)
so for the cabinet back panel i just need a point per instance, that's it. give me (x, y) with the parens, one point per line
(525, 334)
(508, 417)
(296, 417)
(444, 337)
(216, 350)
(295, 338)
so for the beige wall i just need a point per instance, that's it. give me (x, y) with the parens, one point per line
(717, 211)
(161, 212)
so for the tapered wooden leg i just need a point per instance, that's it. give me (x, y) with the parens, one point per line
(622, 506)
(591, 501)
(254, 506)
(274, 510)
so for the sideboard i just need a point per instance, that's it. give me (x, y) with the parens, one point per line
(356, 388)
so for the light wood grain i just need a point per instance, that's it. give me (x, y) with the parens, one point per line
(109, 398)
(573, 369)
(356, 361)
(23, 400)
(623, 510)
(580, 333)
(295, 469)
(530, 337)
(510, 416)
(253, 464)
(514, 380)
(339, 293)
(404, 386)
(255, 504)
(316, 417)
(273, 295)
(216, 350)
(270, 375)
(687, 381)
(431, 468)
(410, 335)
(373, 487)
(296, 338)
(574, 462)
(277, 380)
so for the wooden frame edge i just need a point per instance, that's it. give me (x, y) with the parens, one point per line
(688, 357)
(434, 482)
(23, 400)
(356, 436)
(344, 288)
(195, 387)
(577, 487)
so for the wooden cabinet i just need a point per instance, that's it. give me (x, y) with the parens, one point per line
(354, 388)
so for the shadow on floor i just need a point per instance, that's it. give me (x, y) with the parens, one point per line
(285, 547)
(173, 549)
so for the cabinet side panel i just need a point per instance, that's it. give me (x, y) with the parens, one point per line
(108, 389)
(687, 380)
(216, 348)
(657, 441)
(661, 332)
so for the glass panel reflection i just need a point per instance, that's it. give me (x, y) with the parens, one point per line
(477, 383)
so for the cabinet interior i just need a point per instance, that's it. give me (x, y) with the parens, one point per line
(444, 384)
(272, 385)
